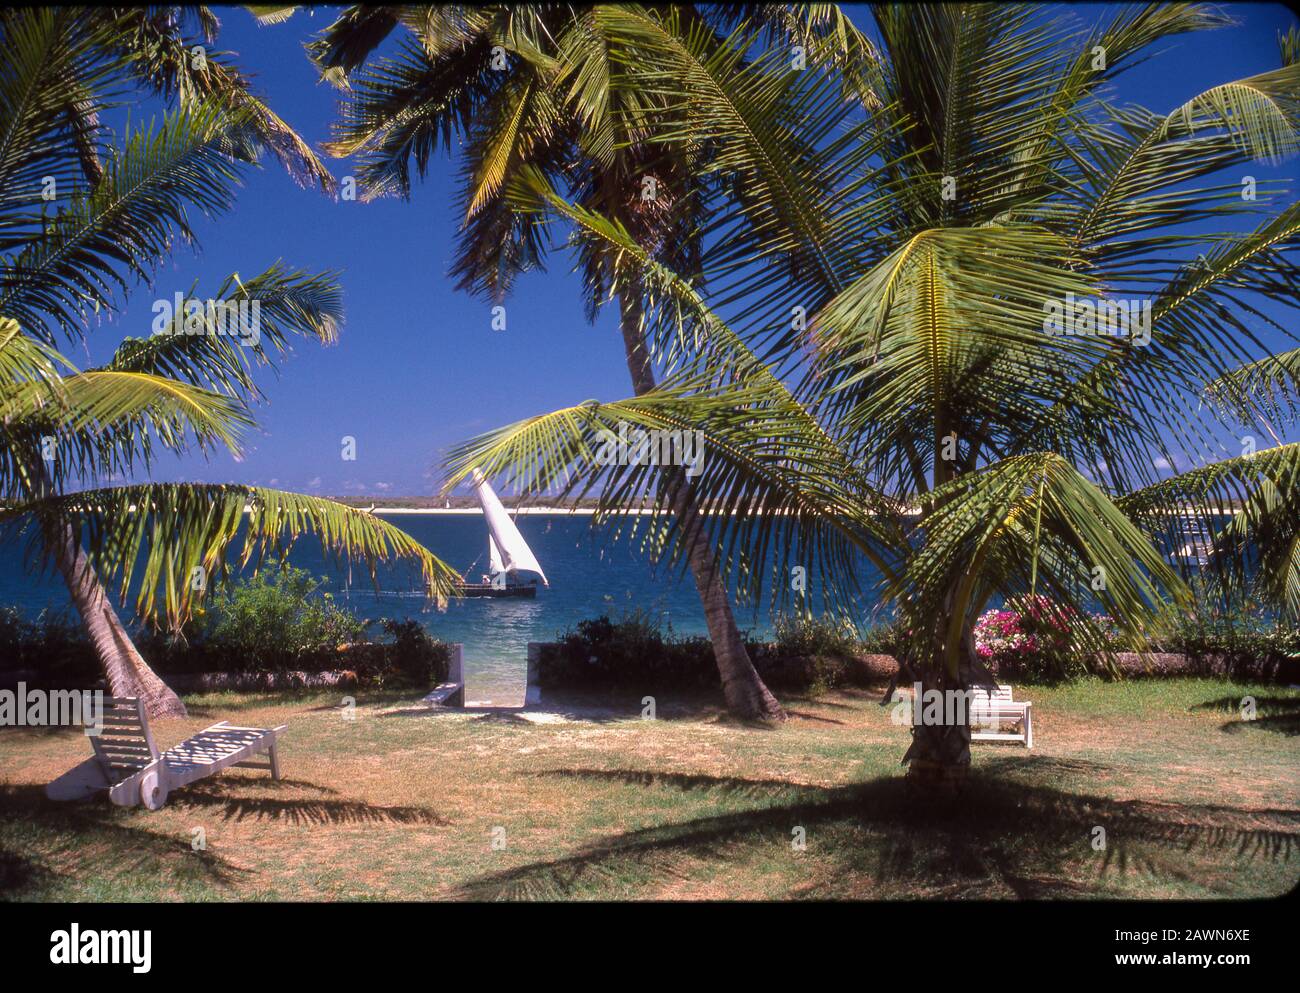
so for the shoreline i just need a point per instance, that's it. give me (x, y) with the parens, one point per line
(479, 511)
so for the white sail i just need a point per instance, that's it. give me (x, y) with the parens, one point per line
(513, 552)
(495, 565)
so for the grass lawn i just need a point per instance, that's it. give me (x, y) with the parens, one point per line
(403, 803)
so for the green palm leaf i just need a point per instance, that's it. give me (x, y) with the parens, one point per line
(175, 539)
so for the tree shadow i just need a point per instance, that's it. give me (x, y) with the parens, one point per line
(803, 715)
(1275, 714)
(19, 873)
(1050, 766)
(857, 694)
(299, 812)
(236, 701)
(995, 839)
(11, 732)
(678, 780)
(137, 853)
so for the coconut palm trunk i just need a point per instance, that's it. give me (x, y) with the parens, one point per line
(939, 756)
(126, 670)
(746, 694)
(940, 752)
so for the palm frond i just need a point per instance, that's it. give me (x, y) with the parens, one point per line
(989, 528)
(123, 227)
(1249, 506)
(290, 302)
(1261, 114)
(270, 14)
(765, 481)
(160, 54)
(55, 82)
(173, 541)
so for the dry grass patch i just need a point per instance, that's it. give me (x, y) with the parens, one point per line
(589, 801)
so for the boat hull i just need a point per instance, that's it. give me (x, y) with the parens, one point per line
(488, 590)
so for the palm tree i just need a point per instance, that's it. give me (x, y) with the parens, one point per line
(78, 217)
(926, 418)
(536, 86)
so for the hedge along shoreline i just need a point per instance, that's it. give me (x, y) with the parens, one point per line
(557, 670)
(276, 629)
(633, 653)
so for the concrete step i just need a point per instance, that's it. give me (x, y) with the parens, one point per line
(446, 695)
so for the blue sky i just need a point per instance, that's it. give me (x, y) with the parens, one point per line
(419, 367)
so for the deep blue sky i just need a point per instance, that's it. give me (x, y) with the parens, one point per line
(419, 367)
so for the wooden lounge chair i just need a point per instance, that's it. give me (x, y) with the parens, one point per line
(128, 764)
(991, 712)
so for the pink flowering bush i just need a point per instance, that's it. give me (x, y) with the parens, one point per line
(1031, 636)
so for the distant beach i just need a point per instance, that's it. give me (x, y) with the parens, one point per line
(478, 510)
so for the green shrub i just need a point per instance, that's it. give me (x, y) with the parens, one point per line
(881, 638)
(412, 658)
(1231, 636)
(812, 653)
(630, 652)
(812, 636)
(53, 643)
(278, 619)
(634, 653)
(275, 621)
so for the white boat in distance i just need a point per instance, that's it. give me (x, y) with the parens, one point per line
(508, 553)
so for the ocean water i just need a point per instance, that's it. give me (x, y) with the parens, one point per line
(589, 575)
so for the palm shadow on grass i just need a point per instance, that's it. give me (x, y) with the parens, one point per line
(137, 853)
(232, 806)
(997, 839)
(1276, 714)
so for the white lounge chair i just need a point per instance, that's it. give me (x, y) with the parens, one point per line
(991, 712)
(128, 764)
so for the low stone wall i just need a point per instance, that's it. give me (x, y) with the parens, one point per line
(885, 667)
(201, 682)
(198, 682)
(1128, 663)
(1154, 664)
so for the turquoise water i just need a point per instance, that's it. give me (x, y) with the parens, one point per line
(589, 575)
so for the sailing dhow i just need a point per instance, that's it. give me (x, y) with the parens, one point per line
(508, 553)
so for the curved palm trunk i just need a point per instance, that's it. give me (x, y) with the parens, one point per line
(127, 672)
(746, 694)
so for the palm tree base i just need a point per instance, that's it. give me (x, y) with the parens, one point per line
(935, 775)
(751, 700)
(160, 700)
(939, 757)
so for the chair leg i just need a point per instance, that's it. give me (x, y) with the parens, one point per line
(1029, 727)
(275, 763)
